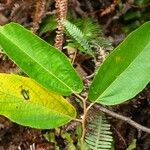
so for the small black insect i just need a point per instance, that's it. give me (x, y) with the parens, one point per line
(25, 94)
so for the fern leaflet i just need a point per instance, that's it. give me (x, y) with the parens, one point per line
(78, 36)
(99, 136)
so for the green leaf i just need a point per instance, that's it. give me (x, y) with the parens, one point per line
(48, 24)
(126, 71)
(70, 142)
(132, 146)
(27, 103)
(39, 60)
(141, 2)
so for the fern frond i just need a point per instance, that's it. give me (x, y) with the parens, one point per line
(99, 136)
(89, 28)
(101, 42)
(78, 36)
(93, 33)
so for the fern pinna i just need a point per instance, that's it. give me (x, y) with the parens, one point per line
(78, 36)
(99, 136)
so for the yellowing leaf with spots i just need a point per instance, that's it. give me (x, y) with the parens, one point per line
(25, 102)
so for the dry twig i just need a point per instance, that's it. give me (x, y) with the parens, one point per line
(123, 118)
(61, 6)
(38, 14)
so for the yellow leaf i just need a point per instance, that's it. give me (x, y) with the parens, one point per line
(27, 103)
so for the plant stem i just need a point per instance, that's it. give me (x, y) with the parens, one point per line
(86, 109)
(83, 117)
(78, 120)
(107, 111)
(83, 123)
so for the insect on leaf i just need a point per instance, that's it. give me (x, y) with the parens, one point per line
(27, 103)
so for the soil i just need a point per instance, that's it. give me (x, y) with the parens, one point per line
(110, 17)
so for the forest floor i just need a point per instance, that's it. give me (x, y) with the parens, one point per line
(117, 19)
